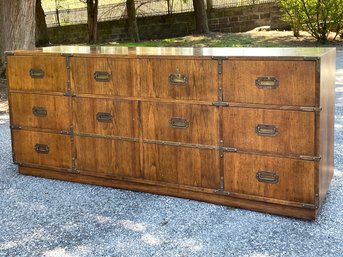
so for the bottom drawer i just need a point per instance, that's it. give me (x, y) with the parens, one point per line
(181, 165)
(42, 148)
(272, 177)
(96, 156)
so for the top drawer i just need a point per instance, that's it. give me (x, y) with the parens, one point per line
(37, 73)
(270, 82)
(179, 79)
(103, 76)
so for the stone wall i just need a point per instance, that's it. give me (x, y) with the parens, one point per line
(234, 19)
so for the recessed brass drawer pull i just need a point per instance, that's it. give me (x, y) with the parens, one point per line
(37, 73)
(267, 82)
(102, 76)
(267, 177)
(178, 123)
(178, 79)
(39, 111)
(104, 117)
(266, 130)
(42, 149)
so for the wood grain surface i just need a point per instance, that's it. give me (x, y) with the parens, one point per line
(54, 68)
(295, 131)
(296, 178)
(296, 82)
(59, 155)
(124, 121)
(57, 111)
(202, 81)
(202, 123)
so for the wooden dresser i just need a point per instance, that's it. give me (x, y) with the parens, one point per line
(244, 127)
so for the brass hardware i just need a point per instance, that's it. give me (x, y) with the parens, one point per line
(230, 149)
(15, 126)
(266, 130)
(41, 148)
(39, 111)
(178, 123)
(8, 53)
(221, 192)
(310, 158)
(267, 82)
(65, 132)
(36, 73)
(309, 206)
(104, 117)
(69, 93)
(178, 79)
(102, 76)
(171, 143)
(220, 104)
(221, 151)
(267, 177)
(311, 109)
(129, 139)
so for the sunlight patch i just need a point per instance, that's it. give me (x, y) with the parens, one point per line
(103, 219)
(135, 226)
(191, 244)
(151, 239)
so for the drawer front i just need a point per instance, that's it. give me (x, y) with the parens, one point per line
(103, 76)
(40, 111)
(97, 156)
(182, 166)
(270, 82)
(271, 177)
(179, 79)
(269, 130)
(106, 117)
(197, 124)
(40, 148)
(37, 73)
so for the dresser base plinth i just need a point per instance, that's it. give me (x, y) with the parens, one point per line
(290, 211)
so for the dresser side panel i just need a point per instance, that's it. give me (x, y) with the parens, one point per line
(327, 120)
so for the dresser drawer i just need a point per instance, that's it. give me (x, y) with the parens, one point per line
(179, 79)
(271, 177)
(40, 111)
(197, 124)
(103, 76)
(105, 117)
(47, 149)
(270, 82)
(181, 165)
(37, 73)
(103, 156)
(269, 130)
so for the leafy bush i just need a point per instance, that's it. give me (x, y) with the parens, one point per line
(318, 17)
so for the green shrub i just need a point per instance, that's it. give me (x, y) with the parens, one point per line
(318, 17)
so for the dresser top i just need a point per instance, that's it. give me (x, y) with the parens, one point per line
(180, 51)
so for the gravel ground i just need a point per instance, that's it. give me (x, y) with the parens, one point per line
(41, 217)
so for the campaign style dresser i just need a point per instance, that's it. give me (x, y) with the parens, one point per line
(245, 127)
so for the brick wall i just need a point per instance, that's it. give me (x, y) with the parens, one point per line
(234, 19)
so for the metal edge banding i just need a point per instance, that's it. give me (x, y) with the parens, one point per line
(12, 126)
(172, 143)
(121, 138)
(266, 199)
(40, 166)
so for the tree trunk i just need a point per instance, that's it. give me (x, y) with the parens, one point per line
(209, 5)
(132, 21)
(92, 13)
(200, 16)
(42, 37)
(17, 26)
